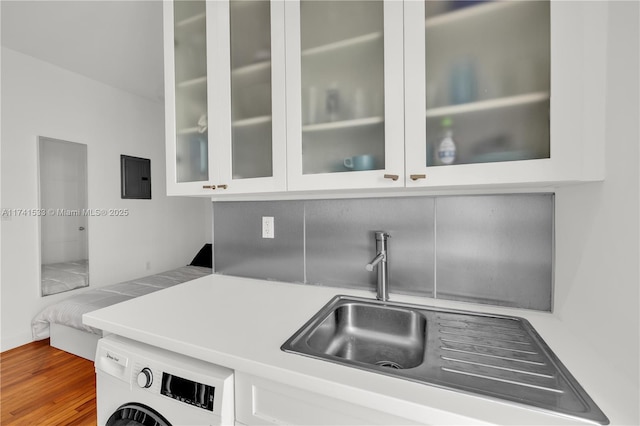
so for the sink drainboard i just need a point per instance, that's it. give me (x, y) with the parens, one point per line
(493, 356)
(501, 357)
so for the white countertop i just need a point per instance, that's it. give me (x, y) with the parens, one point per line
(241, 323)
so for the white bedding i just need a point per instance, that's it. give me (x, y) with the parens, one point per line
(70, 310)
(59, 277)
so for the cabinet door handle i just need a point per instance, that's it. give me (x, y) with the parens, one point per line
(392, 177)
(222, 186)
(208, 187)
(416, 177)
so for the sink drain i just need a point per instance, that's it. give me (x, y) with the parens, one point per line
(389, 364)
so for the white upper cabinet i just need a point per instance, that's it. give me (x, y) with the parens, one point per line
(504, 93)
(304, 95)
(186, 40)
(345, 124)
(224, 71)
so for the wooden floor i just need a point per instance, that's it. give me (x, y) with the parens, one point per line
(41, 385)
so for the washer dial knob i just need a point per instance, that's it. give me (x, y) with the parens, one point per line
(145, 378)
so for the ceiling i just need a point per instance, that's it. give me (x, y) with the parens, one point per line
(115, 42)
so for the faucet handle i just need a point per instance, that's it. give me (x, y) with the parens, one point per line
(379, 258)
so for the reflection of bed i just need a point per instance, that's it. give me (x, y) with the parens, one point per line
(62, 321)
(59, 277)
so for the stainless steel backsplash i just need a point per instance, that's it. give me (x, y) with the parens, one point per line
(493, 249)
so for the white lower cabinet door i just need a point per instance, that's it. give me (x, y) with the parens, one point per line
(260, 401)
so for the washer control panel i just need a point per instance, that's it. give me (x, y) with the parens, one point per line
(188, 391)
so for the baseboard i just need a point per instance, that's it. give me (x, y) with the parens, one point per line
(11, 342)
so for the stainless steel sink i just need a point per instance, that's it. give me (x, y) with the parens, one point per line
(493, 356)
(371, 334)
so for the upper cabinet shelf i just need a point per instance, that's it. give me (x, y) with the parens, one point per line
(489, 9)
(508, 102)
(200, 18)
(345, 124)
(254, 121)
(252, 68)
(198, 81)
(343, 44)
(189, 131)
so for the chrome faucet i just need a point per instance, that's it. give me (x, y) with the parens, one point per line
(381, 262)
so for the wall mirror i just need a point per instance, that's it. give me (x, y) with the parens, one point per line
(64, 253)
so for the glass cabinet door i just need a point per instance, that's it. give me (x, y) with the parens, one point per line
(342, 72)
(191, 119)
(487, 82)
(348, 59)
(344, 94)
(251, 103)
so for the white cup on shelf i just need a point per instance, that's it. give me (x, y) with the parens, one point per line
(361, 107)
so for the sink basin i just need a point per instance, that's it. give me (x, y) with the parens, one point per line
(371, 334)
(494, 356)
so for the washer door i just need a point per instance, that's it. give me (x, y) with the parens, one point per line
(135, 414)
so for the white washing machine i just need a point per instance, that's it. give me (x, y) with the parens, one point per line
(138, 384)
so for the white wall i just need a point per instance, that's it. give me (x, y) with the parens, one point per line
(39, 99)
(597, 225)
(1, 298)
